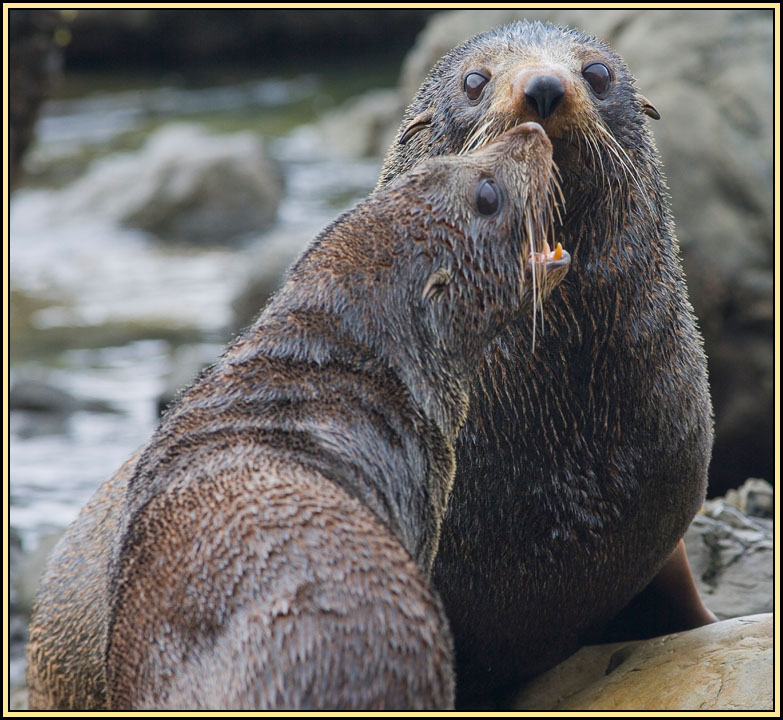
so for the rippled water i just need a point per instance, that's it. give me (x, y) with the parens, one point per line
(84, 270)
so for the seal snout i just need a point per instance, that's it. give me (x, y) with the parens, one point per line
(543, 93)
(522, 138)
(539, 92)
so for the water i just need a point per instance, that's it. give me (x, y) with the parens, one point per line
(83, 271)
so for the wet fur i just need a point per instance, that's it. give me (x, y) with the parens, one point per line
(275, 538)
(581, 464)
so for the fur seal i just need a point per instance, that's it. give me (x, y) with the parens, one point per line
(581, 465)
(284, 517)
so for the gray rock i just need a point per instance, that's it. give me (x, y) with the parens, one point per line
(24, 574)
(27, 569)
(39, 395)
(363, 126)
(710, 74)
(755, 498)
(187, 361)
(186, 185)
(732, 559)
(272, 258)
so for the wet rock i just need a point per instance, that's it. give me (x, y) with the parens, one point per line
(724, 666)
(42, 397)
(186, 185)
(715, 138)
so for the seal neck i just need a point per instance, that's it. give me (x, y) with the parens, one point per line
(355, 417)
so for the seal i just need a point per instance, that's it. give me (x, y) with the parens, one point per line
(284, 518)
(581, 465)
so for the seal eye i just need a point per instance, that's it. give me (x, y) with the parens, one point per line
(488, 198)
(474, 85)
(599, 77)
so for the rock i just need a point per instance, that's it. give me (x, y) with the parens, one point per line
(29, 568)
(186, 362)
(732, 559)
(274, 256)
(755, 498)
(724, 666)
(24, 574)
(716, 141)
(15, 555)
(186, 185)
(38, 395)
(18, 699)
(364, 126)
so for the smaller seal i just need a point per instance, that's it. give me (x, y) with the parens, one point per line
(278, 531)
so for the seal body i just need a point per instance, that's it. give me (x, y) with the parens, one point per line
(582, 464)
(276, 535)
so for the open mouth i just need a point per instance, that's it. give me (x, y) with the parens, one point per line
(551, 259)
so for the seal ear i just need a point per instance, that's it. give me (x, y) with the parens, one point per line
(419, 123)
(649, 109)
(436, 283)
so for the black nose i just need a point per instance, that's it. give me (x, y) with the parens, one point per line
(544, 93)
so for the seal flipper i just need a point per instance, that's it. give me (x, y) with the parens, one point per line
(670, 603)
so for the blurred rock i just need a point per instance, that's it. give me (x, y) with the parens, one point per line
(15, 555)
(24, 574)
(186, 185)
(724, 666)
(363, 127)
(732, 559)
(755, 497)
(43, 397)
(186, 363)
(710, 74)
(29, 568)
(34, 59)
(18, 699)
(274, 255)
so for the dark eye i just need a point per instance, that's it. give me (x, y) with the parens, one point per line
(598, 76)
(474, 84)
(487, 197)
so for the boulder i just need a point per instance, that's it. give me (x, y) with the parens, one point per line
(186, 185)
(724, 666)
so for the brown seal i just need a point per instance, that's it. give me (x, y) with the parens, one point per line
(278, 531)
(581, 465)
